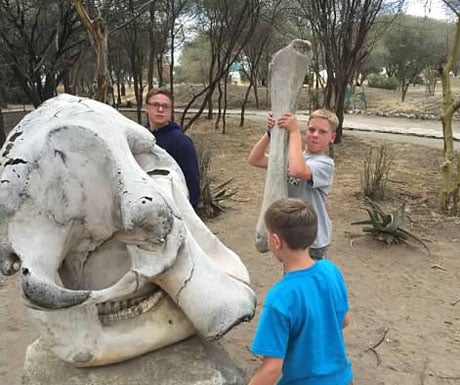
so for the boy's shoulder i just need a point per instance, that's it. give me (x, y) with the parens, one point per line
(288, 287)
(329, 266)
(325, 158)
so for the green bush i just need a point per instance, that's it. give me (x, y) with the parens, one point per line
(387, 226)
(382, 81)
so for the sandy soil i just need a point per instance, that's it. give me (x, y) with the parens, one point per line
(402, 299)
(405, 303)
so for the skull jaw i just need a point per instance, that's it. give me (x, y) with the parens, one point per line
(77, 336)
(213, 309)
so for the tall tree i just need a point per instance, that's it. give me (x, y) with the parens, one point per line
(97, 28)
(100, 20)
(228, 25)
(168, 27)
(412, 45)
(450, 188)
(175, 9)
(2, 128)
(131, 37)
(341, 28)
(254, 52)
(39, 41)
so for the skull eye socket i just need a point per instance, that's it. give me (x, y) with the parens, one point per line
(10, 262)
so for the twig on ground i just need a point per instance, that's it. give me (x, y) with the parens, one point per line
(373, 347)
(240, 200)
(453, 303)
(423, 373)
(397, 181)
(436, 266)
(351, 235)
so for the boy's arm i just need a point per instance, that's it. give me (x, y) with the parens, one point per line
(346, 320)
(268, 373)
(297, 167)
(258, 156)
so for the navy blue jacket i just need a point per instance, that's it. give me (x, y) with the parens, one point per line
(181, 148)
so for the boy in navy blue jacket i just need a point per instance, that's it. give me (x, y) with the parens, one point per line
(169, 136)
(299, 333)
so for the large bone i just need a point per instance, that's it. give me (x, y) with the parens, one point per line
(287, 72)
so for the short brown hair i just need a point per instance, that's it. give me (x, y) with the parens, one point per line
(159, 91)
(330, 116)
(294, 220)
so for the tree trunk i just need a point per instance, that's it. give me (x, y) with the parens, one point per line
(172, 38)
(2, 128)
(219, 105)
(256, 93)
(449, 199)
(98, 31)
(224, 113)
(151, 62)
(100, 36)
(404, 88)
(243, 105)
(161, 81)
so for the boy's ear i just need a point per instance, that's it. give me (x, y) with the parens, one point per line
(277, 241)
(332, 137)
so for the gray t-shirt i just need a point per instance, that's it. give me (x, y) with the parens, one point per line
(315, 192)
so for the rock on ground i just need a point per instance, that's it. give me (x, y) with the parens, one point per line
(190, 362)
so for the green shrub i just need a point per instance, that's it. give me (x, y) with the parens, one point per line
(382, 81)
(387, 226)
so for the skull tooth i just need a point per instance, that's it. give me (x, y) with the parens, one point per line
(115, 307)
(116, 311)
(102, 308)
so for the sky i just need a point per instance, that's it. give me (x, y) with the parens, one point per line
(416, 8)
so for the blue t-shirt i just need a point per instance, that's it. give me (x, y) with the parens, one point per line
(301, 323)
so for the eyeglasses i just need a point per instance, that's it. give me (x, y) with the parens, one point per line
(157, 106)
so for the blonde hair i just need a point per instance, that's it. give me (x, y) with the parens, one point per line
(330, 116)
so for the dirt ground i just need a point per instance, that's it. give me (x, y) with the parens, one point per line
(405, 303)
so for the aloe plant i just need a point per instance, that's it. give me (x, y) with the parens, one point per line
(387, 226)
(211, 196)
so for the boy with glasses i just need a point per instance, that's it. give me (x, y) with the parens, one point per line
(169, 136)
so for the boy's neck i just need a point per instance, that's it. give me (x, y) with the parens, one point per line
(297, 260)
(324, 152)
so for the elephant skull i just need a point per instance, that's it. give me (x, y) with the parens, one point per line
(111, 256)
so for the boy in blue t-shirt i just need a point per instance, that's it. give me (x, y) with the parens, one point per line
(299, 333)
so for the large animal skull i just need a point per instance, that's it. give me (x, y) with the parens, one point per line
(112, 257)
